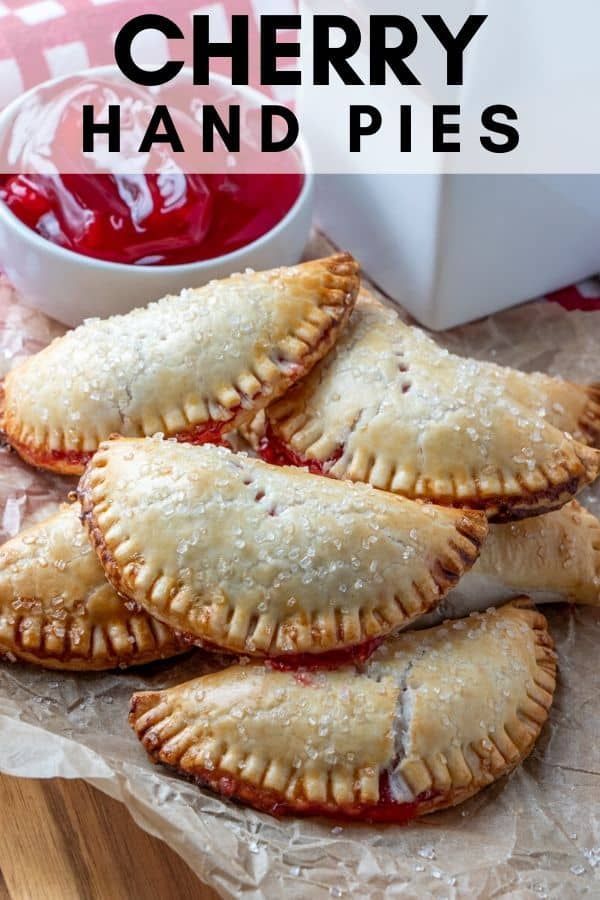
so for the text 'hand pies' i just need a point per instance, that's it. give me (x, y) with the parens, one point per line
(390, 407)
(429, 721)
(550, 558)
(58, 610)
(265, 560)
(192, 366)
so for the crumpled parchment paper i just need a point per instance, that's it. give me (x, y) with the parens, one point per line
(533, 835)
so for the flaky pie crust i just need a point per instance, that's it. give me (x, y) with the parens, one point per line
(550, 558)
(57, 609)
(266, 560)
(557, 555)
(390, 407)
(437, 715)
(191, 366)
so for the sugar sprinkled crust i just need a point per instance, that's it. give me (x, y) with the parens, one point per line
(57, 609)
(570, 407)
(189, 366)
(390, 407)
(266, 560)
(435, 716)
(477, 693)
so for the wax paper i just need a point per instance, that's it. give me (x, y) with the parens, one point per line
(535, 834)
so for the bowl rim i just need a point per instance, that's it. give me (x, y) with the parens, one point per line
(64, 253)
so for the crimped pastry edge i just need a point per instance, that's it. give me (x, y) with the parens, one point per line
(147, 709)
(444, 573)
(54, 455)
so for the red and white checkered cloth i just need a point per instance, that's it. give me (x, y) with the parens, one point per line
(42, 39)
(584, 296)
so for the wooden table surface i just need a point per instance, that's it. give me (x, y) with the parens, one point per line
(64, 840)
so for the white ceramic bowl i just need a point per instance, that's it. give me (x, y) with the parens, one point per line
(71, 287)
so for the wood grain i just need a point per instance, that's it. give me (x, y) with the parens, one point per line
(63, 840)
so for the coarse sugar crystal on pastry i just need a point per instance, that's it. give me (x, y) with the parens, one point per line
(570, 407)
(265, 560)
(388, 406)
(57, 609)
(191, 366)
(551, 558)
(429, 721)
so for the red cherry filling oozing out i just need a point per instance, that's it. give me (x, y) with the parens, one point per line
(386, 811)
(48, 458)
(206, 433)
(275, 451)
(301, 664)
(305, 663)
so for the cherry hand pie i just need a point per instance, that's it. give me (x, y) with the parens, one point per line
(390, 407)
(551, 558)
(192, 366)
(265, 560)
(57, 609)
(432, 718)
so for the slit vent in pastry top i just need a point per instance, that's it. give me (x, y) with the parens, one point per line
(390, 407)
(266, 560)
(191, 366)
(57, 609)
(431, 719)
(551, 558)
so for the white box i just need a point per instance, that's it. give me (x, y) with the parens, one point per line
(452, 248)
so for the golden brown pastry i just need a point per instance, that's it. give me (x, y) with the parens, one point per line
(570, 407)
(57, 609)
(551, 558)
(265, 560)
(390, 407)
(192, 366)
(432, 718)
